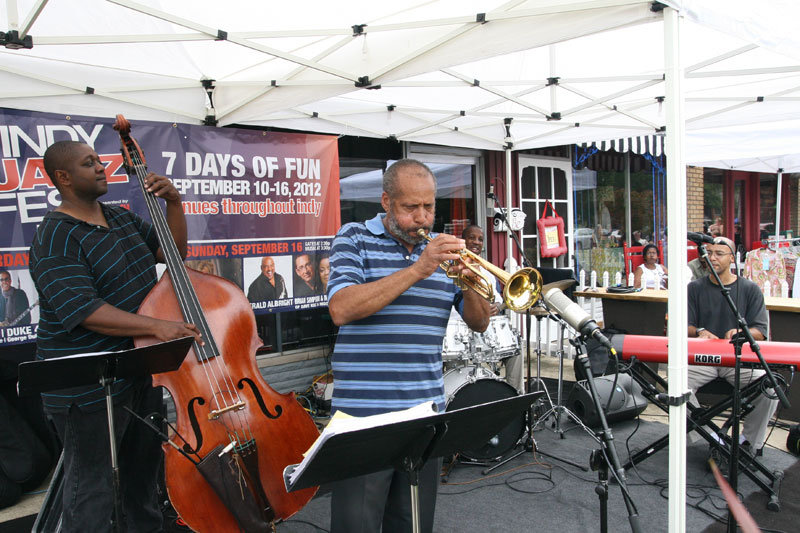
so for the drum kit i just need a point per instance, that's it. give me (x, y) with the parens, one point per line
(470, 359)
(471, 376)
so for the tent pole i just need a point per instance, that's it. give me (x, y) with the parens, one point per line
(778, 204)
(628, 217)
(509, 250)
(676, 259)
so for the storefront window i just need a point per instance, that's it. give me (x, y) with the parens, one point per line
(602, 210)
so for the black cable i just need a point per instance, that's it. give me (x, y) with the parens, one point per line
(535, 475)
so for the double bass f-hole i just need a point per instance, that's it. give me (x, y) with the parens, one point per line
(260, 400)
(222, 403)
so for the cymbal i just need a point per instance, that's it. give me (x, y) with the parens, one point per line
(539, 311)
(561, 285)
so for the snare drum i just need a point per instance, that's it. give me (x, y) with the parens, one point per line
(457, 338)
(472, 385)
(497, 342)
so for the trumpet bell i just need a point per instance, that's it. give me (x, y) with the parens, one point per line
(522, 289)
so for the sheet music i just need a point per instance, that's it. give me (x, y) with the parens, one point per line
(342, 423)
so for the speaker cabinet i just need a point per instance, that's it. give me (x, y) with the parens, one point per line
(626, 403)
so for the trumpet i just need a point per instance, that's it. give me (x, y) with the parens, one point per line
(521, 289)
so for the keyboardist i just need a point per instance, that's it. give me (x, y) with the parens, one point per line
(711, 318)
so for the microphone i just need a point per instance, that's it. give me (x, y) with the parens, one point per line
(576, 317)
(700, 238)
(490, 200)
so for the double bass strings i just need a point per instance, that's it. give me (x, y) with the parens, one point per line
(209, 353)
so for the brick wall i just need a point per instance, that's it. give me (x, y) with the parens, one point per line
(694, 193)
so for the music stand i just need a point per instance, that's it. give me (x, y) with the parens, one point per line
(103, 368)
(407, 445)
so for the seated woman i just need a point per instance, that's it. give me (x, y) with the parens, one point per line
(650, 274)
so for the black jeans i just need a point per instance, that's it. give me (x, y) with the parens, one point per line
(88, 498)
(382, 501)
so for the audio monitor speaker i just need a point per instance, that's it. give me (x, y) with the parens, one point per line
(626, 403)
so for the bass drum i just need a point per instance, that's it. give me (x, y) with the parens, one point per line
(472, 385)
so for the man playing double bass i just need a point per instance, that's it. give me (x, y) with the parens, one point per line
(93, 264)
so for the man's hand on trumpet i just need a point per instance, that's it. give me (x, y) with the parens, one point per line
(444, 247)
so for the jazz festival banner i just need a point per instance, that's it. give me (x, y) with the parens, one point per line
(259, 205)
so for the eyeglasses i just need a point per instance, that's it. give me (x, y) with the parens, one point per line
(5, 279)
(719, 253)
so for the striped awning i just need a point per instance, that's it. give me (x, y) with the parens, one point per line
(645, 144)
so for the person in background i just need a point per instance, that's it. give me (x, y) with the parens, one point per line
(13, 303)
(93, 264)
(391, 301)
(636, 236)
(697, 268)
(716, 229)
(651, 274)
(268, 285)
(473, 237)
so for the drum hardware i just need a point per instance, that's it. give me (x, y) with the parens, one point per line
(557, 409)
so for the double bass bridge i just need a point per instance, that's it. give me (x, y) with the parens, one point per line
(216, 413)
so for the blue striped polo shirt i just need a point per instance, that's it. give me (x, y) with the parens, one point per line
(391, 360)
(77, 267)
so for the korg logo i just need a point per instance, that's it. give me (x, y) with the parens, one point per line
(706, 359)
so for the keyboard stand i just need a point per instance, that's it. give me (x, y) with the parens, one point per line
(701, 419)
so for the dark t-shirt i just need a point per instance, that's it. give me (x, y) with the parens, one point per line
(77, 267)
(708, 308)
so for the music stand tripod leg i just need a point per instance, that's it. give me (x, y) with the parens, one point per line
(415, 517)
(118, 520)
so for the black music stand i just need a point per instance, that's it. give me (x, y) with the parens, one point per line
(407, 445)
(103, 368)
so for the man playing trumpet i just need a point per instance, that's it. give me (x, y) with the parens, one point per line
(392, 301)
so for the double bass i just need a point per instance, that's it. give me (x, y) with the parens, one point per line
(234, 434)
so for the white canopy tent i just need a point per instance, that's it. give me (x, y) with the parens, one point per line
(484, 74)
(445, 72)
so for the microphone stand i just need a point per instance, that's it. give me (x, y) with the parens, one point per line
(738, 341)
(608, 450)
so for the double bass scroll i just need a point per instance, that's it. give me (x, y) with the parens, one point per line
(240, 432)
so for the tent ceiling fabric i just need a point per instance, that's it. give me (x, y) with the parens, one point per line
(446, 72)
